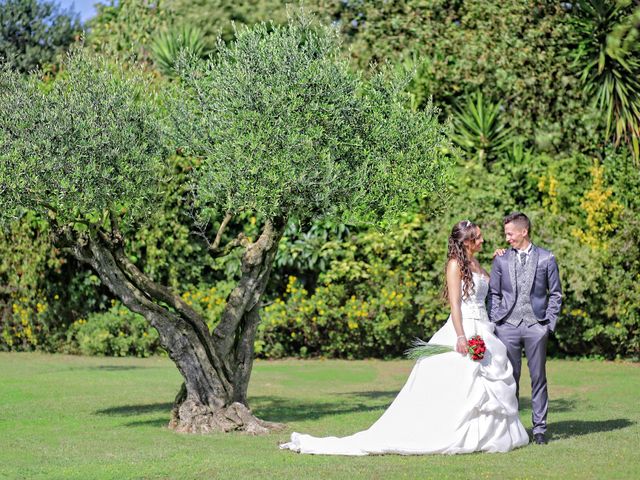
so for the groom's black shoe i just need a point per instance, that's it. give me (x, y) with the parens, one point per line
(539, 439)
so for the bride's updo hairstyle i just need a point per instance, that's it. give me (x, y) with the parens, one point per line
(462, 232)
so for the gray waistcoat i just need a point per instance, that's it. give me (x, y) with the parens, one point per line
(522, 310)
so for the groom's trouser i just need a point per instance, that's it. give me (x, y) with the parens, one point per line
(534, 340)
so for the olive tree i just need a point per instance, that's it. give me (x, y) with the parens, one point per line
(278, 125)
(286, 130)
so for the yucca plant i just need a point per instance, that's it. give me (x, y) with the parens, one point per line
(519, 165)
(607, 58)
(478, 128)
(166, 47)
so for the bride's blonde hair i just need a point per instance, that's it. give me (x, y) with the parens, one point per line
(462, 232)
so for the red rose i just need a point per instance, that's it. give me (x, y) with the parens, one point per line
(477, 347)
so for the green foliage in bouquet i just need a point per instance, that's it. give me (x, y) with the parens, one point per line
(420, 349)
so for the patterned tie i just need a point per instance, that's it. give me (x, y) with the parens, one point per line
(523, 258)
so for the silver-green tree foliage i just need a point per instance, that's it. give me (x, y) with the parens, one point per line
(281, 128)
(80, 147)
(286, 129)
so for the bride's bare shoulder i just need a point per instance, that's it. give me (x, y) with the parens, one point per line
(452, 264)
(453, 269)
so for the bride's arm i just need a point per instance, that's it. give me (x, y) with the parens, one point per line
(454, 293)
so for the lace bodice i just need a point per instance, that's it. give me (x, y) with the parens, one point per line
(480, 290)
(474, 306)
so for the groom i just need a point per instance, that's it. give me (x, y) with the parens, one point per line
(525, 298)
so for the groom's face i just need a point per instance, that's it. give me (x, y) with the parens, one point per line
(515, 235)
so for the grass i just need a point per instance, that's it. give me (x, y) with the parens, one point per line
(92, 418)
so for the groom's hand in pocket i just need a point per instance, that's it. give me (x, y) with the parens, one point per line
(547, 324)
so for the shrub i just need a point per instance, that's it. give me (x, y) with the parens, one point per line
(117, 332)
(27, 258)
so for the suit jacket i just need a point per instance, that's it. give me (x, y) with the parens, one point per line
(546, 291)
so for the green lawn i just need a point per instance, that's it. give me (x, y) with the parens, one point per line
(86, 418)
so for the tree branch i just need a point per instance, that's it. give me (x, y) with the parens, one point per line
(145, 284)
(116, 235)
(157, 291)
(240, 241)
(140, 294)
(164, 294)
(214, 248)
(256, 267)
(244, 355)
(225, 221)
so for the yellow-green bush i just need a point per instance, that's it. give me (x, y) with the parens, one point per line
(117, 332)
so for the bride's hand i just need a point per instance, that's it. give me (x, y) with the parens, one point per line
(461, 345)
(499, 252)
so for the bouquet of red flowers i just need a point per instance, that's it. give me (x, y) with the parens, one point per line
(476, 347)
(420, 348)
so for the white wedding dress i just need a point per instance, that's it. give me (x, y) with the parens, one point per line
(450, 403)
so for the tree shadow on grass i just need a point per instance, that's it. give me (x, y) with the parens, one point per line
(114, 368)
(279, 409)
(131, 410)
(561, 430)
(556, 405)
(374, 395)
(156, 423)
(573, 428)
(135, 410)
(276, 409)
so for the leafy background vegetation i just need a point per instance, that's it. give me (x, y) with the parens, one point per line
(544, 104)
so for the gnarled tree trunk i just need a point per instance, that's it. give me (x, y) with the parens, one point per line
(216, 367)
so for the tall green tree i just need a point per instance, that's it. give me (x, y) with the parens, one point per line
(285, 130)
(280, 126)
(34, 32)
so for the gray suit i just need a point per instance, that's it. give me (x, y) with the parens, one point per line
(524, 303)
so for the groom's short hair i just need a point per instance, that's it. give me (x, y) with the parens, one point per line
(519, 219)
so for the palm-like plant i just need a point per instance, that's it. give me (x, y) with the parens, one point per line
(519, 167)
(168, 45)
(608, 61)
(478, 128)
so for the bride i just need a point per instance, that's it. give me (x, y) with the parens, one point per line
(449, 404)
